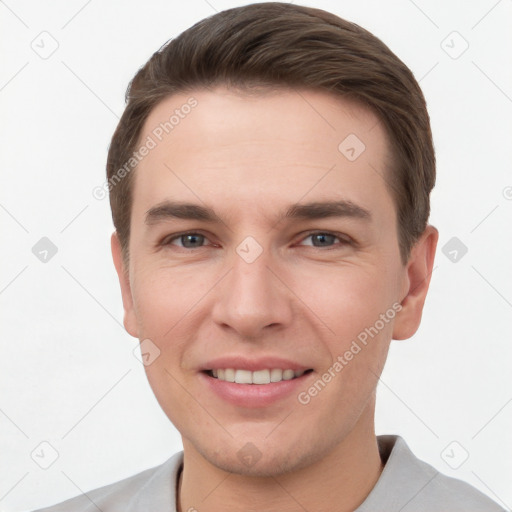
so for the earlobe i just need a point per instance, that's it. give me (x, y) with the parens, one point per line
(418, 274)
(129, 320)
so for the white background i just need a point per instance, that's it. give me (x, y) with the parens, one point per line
(68, 373)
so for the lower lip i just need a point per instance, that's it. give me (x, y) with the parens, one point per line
(255, 395)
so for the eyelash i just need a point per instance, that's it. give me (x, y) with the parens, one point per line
(344, 239)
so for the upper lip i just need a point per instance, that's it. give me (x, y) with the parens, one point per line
(253, 364)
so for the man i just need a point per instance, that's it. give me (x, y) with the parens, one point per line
(269, 183)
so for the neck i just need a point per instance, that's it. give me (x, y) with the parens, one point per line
(339, 481)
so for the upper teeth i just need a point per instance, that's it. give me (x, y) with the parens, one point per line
(258, 377)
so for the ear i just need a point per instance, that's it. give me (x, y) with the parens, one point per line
(417, 280)
(130, 320)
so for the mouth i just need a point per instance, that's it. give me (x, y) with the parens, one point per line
(259, 377)
(255, 382)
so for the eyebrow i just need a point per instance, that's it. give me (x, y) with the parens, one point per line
(307, 211)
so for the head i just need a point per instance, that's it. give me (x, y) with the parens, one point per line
(269, 184)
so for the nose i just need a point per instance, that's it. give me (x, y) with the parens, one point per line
(253, 298)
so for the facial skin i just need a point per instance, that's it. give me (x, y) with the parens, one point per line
(249, 158)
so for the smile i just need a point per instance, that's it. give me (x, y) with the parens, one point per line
(266, 376)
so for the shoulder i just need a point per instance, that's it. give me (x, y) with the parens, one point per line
(411, 485)
(153, 486)
(440, 489)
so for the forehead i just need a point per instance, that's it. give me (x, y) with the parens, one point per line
(229, 148)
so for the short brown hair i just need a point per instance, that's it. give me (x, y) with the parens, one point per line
(279, 45)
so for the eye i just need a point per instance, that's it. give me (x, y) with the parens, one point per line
(325, 239)
(319, 239)
(186, 240)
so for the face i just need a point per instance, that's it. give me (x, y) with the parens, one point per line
(264, 248)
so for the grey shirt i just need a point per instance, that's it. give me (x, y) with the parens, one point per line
(406, 484)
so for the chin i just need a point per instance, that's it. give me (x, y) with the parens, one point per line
(267, 462)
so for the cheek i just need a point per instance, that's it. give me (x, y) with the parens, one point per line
(347, 300)
(172, 397)
(164, 302)
(352, 308)
(357, 308)
(164, 297)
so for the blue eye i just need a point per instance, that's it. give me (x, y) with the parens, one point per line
(324, 239)
(188, 240)
(193, 240)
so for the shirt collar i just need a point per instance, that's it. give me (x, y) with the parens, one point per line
(403, 478)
